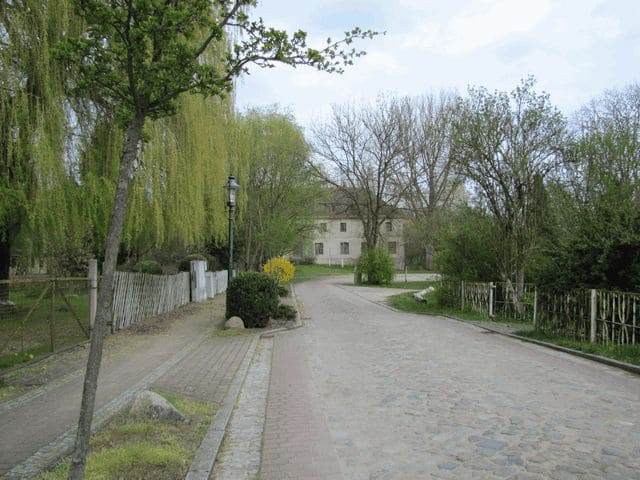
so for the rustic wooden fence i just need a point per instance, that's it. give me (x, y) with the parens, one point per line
(502, 300)
(40, 315)
(595, 315)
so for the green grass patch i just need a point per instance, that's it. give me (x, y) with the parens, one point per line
(623, 353)
(144, 449)
(310, 272)
(407, 303)
(17, 358)
(413, 285)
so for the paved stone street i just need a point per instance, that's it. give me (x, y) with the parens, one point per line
(375, 394)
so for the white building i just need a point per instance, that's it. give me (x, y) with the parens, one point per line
(340, 241)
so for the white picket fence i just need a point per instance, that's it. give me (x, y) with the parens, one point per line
(140, 295)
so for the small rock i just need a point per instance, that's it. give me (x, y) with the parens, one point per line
(151, 405)
(234, 322)
(614, 452)
(447, 466)
(492, 444)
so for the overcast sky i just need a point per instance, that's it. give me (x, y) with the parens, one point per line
(575, 48)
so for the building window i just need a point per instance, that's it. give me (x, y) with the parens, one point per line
(319, 249)
(388, 226)
(343, 226)
(344, 248)
(392, 247)
(323, 227)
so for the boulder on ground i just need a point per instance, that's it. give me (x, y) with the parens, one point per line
(149, 404)
(234, 322)
(421, 296)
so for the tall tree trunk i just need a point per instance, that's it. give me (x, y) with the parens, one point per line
(105, 294)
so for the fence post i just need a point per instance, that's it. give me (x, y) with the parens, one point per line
(594, 306)
(491, 286)
(52, 313)
(535, 307)
(93, 291)
(462, 294)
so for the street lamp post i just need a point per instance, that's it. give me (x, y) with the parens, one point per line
(232, 187)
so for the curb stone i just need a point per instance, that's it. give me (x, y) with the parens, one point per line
(296, 324)
(204, 459)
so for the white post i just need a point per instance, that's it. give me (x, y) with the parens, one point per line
(491, 286)
(594, 306)
(93, 291)
(342, 263)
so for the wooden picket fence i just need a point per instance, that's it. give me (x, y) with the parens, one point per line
(602, 316)
(140, 295)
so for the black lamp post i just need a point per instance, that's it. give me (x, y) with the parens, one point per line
(231, 186)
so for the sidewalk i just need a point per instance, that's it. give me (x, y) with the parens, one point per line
(187, 358)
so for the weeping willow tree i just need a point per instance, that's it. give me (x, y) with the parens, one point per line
(34, 179)
(177, 199)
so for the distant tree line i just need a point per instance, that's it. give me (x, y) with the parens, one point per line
(497, 185)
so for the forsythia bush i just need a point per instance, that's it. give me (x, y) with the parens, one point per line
(281, 268)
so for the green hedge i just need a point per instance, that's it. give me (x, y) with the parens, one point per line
(253, 297)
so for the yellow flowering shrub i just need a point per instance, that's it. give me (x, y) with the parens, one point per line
(281, 268)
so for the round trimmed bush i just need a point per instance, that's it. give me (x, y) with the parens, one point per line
(253, 297)
(376, 266)
(147, 266)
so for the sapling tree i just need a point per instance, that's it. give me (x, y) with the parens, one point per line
(134, 60)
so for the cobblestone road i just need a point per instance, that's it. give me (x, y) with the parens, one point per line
(408, 396)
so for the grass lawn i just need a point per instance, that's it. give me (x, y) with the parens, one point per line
(412, 284)
(623, 353)
(309, 272)
(407, 303)
(144, 449)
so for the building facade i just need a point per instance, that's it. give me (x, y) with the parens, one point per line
(340, 241)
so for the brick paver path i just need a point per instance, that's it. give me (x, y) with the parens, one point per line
(296, 442)
(205, 368)
(363, 392)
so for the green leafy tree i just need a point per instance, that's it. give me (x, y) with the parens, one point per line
(506, 144)
(136, 59)
(598, 197)
(279, 191)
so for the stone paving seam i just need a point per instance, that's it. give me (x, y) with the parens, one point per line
(51, 453)
(202, 463)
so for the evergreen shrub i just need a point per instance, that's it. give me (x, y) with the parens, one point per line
(253, 297)
(376, 266)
